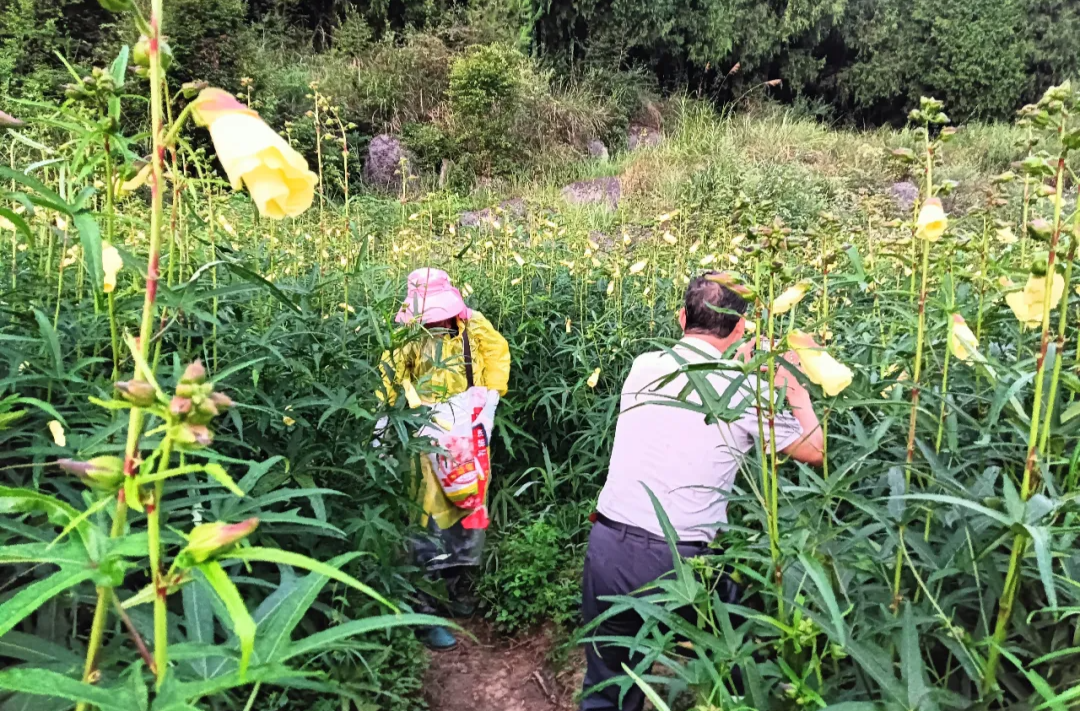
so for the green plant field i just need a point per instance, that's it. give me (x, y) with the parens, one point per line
(194, 516)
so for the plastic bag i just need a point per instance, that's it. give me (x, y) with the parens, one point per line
(461, 427)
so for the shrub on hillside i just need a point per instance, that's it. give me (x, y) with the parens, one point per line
(485, 93)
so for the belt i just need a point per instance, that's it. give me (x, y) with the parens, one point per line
(600, 518)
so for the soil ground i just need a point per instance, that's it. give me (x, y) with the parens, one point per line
(491, 673)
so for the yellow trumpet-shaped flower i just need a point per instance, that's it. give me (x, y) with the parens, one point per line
(932, 220)
(962, 341)
(111, 264)
(822, 369)
(1027, 304)
(964, 345)
(638, 267)
(593, 379)
(791, 296)
(255, 156)
(57, 431)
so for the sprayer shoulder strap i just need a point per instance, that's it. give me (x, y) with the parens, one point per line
(467, 353)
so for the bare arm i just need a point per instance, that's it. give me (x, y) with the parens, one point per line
(811, 446)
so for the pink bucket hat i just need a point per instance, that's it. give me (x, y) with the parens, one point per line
(432, 297)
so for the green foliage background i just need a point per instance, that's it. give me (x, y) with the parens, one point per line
(863, 60)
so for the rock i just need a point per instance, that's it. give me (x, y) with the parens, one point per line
(904, 194)
(592, 192)
(385, 159)
(598, 150)
(642, 136)
(514, 207)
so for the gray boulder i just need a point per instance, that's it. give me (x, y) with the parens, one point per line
(515, 208)
(598, 191)
(598, 150)
(386, 158)
(642, 136)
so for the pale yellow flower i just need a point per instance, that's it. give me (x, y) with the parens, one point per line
(638, 267)
(289, 422)
(822, 369)
(57, 431)
(515, 281)
(962, 342)
(1005, 236)
(519, 259)
(254, 155)
(111, 264)
(593, 379)
(1028, 303)
(610, 288)
(707, 260)
(569, 325)
(932, 220)
(670, 238)
(791, 296)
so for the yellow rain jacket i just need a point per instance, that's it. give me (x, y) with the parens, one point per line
(431, 370)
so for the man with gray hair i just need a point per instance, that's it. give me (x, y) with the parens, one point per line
(687, 460)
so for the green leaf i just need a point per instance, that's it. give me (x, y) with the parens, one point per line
(650, 693)
(280, 613)
(824, 586)
(320, 640)
(218, 473)
(256, 278)
(29, 648)
(243, 625)
(14, 500)
(90, 236)
(41, 682)
(49, 334)
(17, 220)
(1040, 538)
(119, 66)
(23, 603)
(37, 186)
(912, 669)
(199, 621)
(70, 554)
(276, 555)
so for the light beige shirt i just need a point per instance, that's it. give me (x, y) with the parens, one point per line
(689, 463)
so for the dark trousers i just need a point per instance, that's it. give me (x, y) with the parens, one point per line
(620, 562)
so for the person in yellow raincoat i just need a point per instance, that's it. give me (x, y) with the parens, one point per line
(458, 344)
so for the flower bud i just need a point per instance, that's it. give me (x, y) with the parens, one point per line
(904, 155)
(105, 473)
(194, 373)
(207, 539)
(1040, 228)
(9, 121)
(192, 436)
(191, 89)
(180, 406)
(140, 53)
(138, 392)
(1045, 190)
(222, 401)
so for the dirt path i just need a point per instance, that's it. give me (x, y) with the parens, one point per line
(496, 674)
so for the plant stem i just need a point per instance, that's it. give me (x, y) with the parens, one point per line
(1031, 478)
(1059, 351)
(161, 588)
(774, 482)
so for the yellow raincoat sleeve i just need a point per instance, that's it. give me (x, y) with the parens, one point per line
(494, 350)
